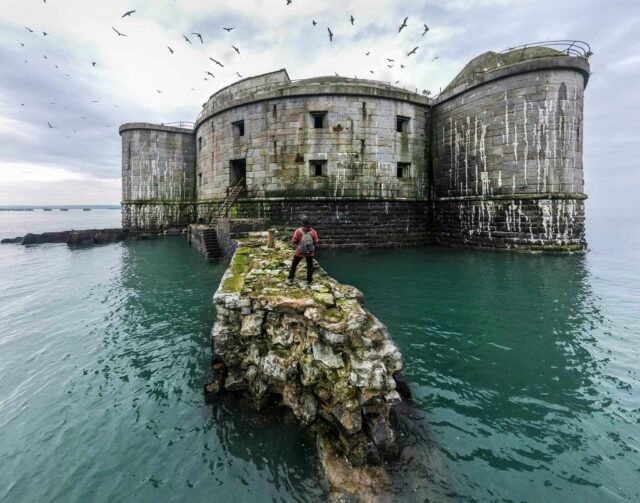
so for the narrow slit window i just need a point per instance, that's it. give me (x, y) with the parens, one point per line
(238, 129)
(275, 110)
(199, 179)
(318, 168)
(275, 147)
(402, 124)
(319, 120)
(200, 143)
(403, 170)
(362, 146)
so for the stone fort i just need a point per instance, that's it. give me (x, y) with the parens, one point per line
(495, 160)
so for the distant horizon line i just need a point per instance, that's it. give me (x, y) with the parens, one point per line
(36, 206)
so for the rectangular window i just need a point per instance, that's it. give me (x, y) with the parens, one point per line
(275, 110)
(402, 124)
(403, 170)
(319, 119)
(199, 179)
(318, 168)
(200, 143)
(238, 129)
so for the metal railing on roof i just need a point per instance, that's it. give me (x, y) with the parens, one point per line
(576, 48)
(181, 124)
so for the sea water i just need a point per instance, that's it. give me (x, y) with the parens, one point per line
(525, 371)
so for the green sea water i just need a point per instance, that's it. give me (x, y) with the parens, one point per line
(525, 372)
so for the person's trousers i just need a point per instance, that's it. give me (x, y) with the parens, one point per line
(294, 266)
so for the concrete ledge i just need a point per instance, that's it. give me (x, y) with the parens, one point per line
(509, 197)
(147, 126)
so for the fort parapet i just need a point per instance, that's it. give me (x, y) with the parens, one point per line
(494, 161)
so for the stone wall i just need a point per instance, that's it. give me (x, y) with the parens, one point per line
(158, 176)
(346, 223)
(359, 143)
(513, 132)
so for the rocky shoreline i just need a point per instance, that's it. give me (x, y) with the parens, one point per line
(317, 351)
(80, 237)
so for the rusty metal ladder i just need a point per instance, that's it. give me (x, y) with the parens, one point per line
(233, 193)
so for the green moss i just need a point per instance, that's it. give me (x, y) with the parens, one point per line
(233, 284)
(492, 60)
(556, 248)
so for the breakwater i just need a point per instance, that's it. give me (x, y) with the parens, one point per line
(315, 350)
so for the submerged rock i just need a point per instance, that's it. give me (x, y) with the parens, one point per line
(82, 237)
(317, 351)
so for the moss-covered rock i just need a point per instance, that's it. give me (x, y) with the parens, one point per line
(317, 348)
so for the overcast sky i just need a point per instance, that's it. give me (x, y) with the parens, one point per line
(78, 160)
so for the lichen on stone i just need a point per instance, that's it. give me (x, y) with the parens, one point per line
(316, 349)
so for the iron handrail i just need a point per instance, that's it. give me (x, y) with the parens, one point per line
(181, 124)
(577, 48)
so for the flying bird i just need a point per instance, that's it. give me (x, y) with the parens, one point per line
(289, 2)
(128, 13)
(403, 25)
(371, 71)
(44, 34)
(212, 75)
(313, 22)
(158, 91)
(236, 49)
(368, 53)
(49, 124)
(28, 29)
(396, 81)
(186, 38)
(390, 66)
(437, 57)
(199, 36)
(238, 75)
(352, 19)
(22, 44)
(93, 63)
(170, 49)
(426, 29)
(401, 66)
(45, 56)
(217, 62)
(228, 29)
(330, 35)
(95, 101)
(390, 60)
(413, 51)
(119, 34)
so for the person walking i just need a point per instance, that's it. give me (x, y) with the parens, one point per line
(305, 239)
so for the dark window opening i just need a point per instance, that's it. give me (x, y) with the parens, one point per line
(238, 173)
(364, 109)
(319, 119)
(403, 170)
(402, 124)
(361, 146)
(200, 143)
(274, 110)
(238, 129)
(318, 168)
(199, 179)
(212, 127)
(275, 147)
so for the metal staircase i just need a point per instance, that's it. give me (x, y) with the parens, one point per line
(233, 193)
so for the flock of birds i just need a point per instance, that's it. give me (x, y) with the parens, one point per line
(208, 74)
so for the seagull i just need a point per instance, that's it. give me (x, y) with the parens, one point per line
(289, 2)
(212, 75)
(199, 36)
(371, 71)
(413, 51)
(396, 81)
(22, 44)
(236, 49)
(426, 29)
(368, 53)
(403, 25)
(119, 34)
(437, 57)
(238, 75)
(313, 22)
(228, 29)
(128, 13)
(390, 66)
(44, 34)
(170, 49)
(28, 29)
(186, 38)
(93, 63)
(95, 101)
(401, 66)
(49, 124)
(390, 60)
(45, 56)
(352, 19)
(158, 91)
(330, 35)
(217, 62)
